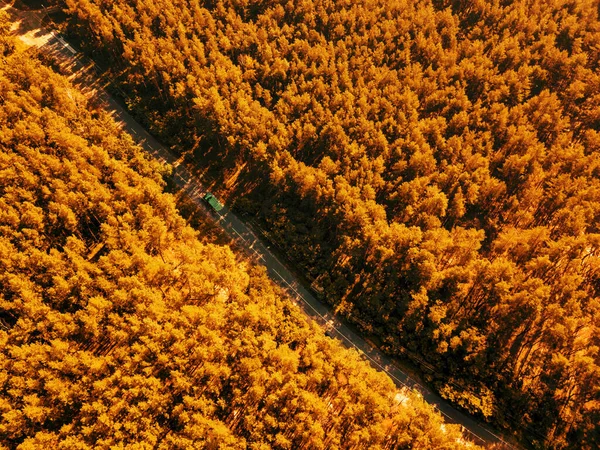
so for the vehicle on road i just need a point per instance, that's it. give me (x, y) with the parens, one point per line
(213, 202)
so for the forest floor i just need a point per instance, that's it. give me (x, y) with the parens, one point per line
(28, 26)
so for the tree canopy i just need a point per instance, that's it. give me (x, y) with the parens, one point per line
(120, 328)
(432, 164)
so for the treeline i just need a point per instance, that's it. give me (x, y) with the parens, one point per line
(119, 328)
(433, 166)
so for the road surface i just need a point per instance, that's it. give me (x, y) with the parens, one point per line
(52, 43)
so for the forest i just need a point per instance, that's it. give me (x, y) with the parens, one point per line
(121, 328)
(432, 166)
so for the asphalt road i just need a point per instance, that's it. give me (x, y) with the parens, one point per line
(52, 43)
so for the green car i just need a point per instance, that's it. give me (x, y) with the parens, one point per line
(212, 201)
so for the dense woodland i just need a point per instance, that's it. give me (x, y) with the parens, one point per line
(432, 165)
(119, 328)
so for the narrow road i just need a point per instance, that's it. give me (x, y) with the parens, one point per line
(84, 73)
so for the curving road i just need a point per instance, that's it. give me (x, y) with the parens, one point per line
(85, 73)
